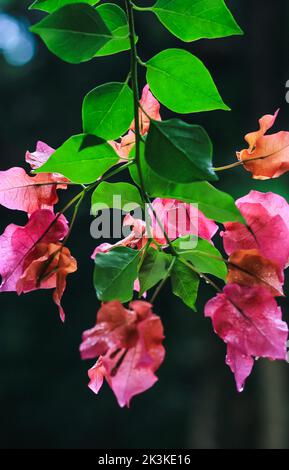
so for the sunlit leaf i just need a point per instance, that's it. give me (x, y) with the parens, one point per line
(108, 110)
(75, 33)
(123, 196)
(180, 81)
(205, 257)
(52, 5)
(191, 20)
(82, 158)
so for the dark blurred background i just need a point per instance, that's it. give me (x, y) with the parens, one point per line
(44, 399)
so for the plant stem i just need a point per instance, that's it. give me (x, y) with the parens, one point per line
(138, 138)
(74, 217)
(134, 80)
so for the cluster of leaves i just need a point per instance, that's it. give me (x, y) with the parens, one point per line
(170, 161)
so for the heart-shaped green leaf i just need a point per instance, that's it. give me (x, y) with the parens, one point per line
(153, 270)
(180, 81)
(123, 196)
(115, 273)
(107, 110)
(75, 33)
(185, 284)
(205, 257)
(191, 20)
(82, 158)
(115, 19)
(179, 152)
(52, 5)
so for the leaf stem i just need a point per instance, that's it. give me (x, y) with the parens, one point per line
(137, 8)
(201, 275)
(248, 160)
(228, 167)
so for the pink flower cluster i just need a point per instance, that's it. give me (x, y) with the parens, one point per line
(127, 343)
(33, 257)
(246, 315)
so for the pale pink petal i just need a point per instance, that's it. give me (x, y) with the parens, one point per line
(103, 248)
(137, 237)
(151, 107)
(40, 156)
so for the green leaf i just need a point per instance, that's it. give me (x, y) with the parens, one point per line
(82, 159)
(75, 33)
(105, 194)
(191, 20)
(52, 5)
(215, 204)
(179, 152)
(205, 257)
(108, 110)
(116, 21)
(185, 284)
(153, 270)
(180, 81)
(115, 273)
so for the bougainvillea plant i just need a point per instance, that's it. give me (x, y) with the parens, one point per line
(171, 171)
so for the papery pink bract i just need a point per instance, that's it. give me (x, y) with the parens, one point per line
(136, 239)
(19, 191)
(17, 242)
(124, 147)
(268, 155)
(265, 124)
(267, 216)
(152, 108)
(180, 219)
(46, 267)
(249, 268)
(39, 157)
(240, 364)
(177, 218)
(129, 345)
(249, 321)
